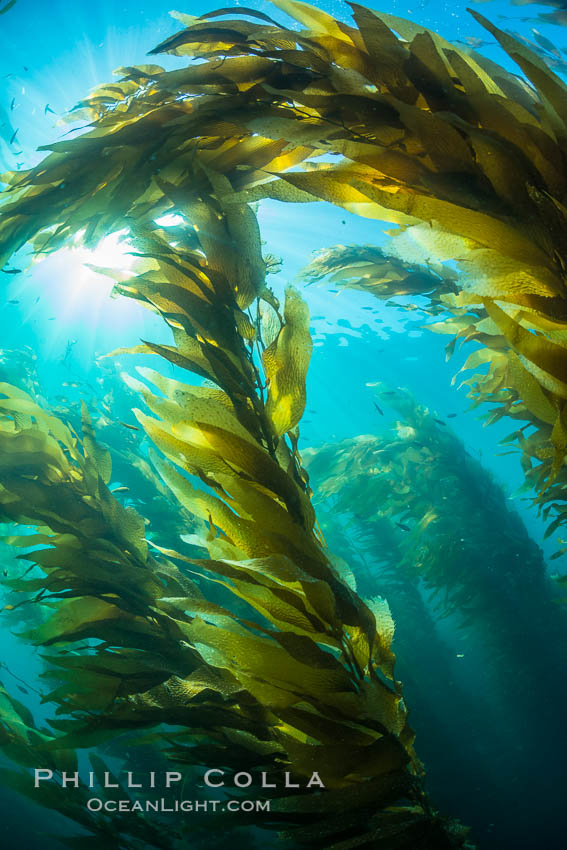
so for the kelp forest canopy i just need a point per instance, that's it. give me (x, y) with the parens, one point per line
(293, 669)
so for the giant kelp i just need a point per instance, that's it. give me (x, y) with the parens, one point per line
(297, 674)
(23, 744)
(437, 680)
(449, 517)
(417, 516)
(459, 539)
(455, 533)
(386, 276)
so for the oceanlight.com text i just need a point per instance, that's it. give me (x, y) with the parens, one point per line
(95, 804)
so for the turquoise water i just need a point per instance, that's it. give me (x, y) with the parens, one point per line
(499, 766)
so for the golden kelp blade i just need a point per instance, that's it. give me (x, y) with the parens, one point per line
(286, 361)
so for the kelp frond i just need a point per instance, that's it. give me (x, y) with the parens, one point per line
(298, 671)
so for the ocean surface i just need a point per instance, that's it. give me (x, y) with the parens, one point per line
(483, 680)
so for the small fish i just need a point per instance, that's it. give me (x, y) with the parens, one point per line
(343, 221)
(451, 415)
(460, 654)
(15, 133)
(23, 690)
(439, 421)
(473, 41)
(544, 42)
(379, 409)
(559, 17)
(11, 271)
(131, 427)
(73, 384)
(37, 299)
(51, 319)
(367, 308)
(403, 526)
(5, 573)
(120, 490)
(48, 109)
(13, 301)
(12, 105)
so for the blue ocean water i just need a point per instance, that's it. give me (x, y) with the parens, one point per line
(61, 312)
